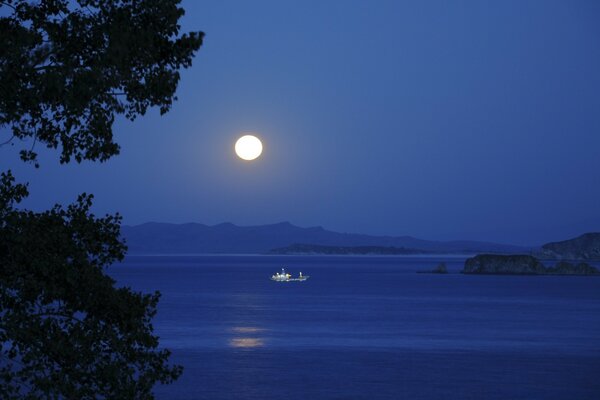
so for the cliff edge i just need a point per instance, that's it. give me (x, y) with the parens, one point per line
(494, 264)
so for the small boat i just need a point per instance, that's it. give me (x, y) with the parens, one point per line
(285, 277)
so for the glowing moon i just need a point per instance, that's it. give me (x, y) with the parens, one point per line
(248, 147)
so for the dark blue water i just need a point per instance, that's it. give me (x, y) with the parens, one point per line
(370, 328)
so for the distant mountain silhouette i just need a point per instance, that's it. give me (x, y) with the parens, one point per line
(227, 238)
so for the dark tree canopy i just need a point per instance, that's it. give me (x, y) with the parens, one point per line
(68, 68)
(66, 331)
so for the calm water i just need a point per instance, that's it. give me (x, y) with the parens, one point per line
(370, 328)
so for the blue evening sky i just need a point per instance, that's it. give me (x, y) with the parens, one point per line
(436, 119)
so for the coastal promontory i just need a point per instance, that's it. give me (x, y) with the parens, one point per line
(297, 249)
(584, 247)
(496, 264)
(503, 264)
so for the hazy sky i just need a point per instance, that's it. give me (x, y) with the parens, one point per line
(436, 119)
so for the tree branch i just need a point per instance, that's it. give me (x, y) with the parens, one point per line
(8, 141)
(9, 5)
(55, 314)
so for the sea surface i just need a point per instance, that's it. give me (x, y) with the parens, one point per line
(367, 327)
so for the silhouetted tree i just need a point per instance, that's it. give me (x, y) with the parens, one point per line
(66, 330)
(67, 69)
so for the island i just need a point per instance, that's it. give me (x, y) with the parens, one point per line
(303, 249)
(439, 269)
(496, 264)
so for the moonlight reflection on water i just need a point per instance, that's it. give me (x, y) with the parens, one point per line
(246, 342)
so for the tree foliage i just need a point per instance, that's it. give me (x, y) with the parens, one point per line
(66, 331)
(67, 68)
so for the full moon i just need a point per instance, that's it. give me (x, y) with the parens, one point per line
(248, 147)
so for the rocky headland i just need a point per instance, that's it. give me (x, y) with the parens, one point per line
(584, 247)
(495, 264)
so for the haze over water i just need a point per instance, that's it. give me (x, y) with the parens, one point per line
(370, 327)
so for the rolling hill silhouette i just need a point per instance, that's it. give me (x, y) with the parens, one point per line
(227, 238)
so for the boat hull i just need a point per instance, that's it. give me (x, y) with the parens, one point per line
(291, 279)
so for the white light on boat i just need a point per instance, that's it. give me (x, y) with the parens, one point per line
(285, 277)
